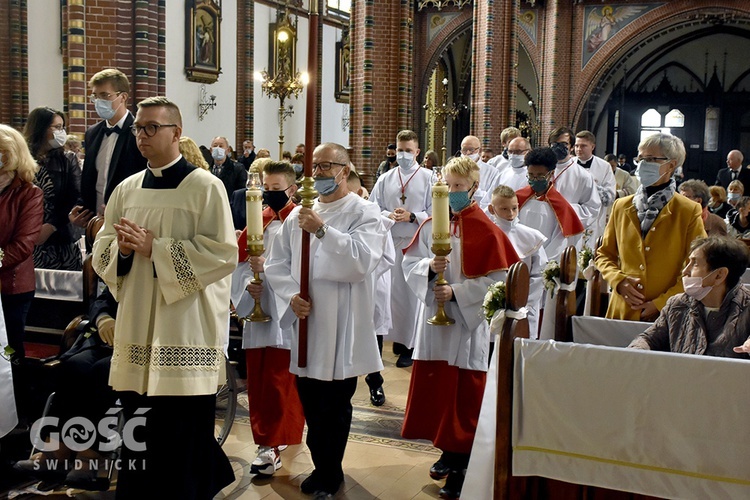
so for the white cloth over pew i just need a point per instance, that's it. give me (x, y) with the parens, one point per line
(8, 414)
(660, 424)
(609, 332)
(59, 285)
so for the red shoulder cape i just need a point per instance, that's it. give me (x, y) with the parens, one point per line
(567, 218)
(268, 216)
(484, 247)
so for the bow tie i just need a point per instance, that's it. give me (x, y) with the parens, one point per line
(586, 164)
(113, 130)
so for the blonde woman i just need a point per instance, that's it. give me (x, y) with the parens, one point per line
(21, 213)
(190, 151)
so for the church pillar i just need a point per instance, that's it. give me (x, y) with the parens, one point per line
(381, 79)
(14, 76)
(245, 65)
(494, 69)
(557, 57)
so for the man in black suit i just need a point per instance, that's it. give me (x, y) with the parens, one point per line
(248, 154)
(233, 175)
(111, 152)
(734, 171)
(622, 162)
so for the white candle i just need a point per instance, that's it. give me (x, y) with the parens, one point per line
(254, 200)
(440, 213)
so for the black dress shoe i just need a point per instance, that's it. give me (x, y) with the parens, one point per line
(404, 360)
(398, 349)
(439, 470)
(311, 484)
(453, 485)
(377, 396)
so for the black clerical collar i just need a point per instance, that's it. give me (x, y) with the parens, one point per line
(169, 176)
(650, 190)
(586, 164)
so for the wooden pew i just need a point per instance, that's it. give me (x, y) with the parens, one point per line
(517, 286)
(597, 291)
(565, 304)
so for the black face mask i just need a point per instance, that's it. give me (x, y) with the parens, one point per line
(560, 150)
(390, 159)
(275, 199)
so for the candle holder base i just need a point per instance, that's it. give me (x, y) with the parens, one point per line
(441, 318)
(258, 315)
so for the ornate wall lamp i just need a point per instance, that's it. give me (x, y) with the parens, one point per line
(283, 79)
(205, 103)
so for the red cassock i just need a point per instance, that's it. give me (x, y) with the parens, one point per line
(449, 416)
(276, 415)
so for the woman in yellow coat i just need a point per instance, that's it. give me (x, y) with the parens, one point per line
(647, 239)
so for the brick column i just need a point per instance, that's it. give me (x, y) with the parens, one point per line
(74, 64)
(245, 65)
(555, 78)
(494, 68)
(14, 76)
(381, 79)
(148, 50)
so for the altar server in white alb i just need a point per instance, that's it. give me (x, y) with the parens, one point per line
(347, 241)
(404, 195)
(515, 175)
(529, 245)
(601, 171)
(488, 176)
(451, 361)
(276, 416)
(166, 252)
(573, 182)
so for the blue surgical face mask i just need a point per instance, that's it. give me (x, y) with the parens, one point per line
(298, 168)
(1, 161)
(733, 196)
(516, 161)
(458, 200)
(218, 153)
(104, 109)
(405, 160)
(648, 173)
(326, 185)
(505, 224)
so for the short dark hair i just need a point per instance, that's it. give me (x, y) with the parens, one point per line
(622, 157)
(544, 157)
(610, 157)
(280, 167)
(391, 146)
(160, 101)
(559, 132)
(699, 189)
(720, 251)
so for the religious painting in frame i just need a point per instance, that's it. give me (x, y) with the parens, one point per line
(203, 40)
(343, 67)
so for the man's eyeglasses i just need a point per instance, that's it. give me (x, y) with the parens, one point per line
(518, 151)
(649, 159)
(151, 129)
(107, 96)
(325, 166)
(469, 151)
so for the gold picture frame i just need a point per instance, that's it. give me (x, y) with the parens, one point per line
(343, 68)
(203, 40)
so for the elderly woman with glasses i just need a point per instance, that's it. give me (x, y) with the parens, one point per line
(59, 176)
(648, 237)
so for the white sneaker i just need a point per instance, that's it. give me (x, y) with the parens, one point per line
(267, 462)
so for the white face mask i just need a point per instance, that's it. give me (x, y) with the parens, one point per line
(694, 286)
(218, 153)
(405, 160)
(58, 141)
(648, 173)
(516, 161)
(474, 157)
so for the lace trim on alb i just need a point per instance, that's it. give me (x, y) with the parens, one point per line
(169, 357)
(103, 261)
(183, 270)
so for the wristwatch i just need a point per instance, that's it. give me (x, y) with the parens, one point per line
(412, 217)
(321, 231)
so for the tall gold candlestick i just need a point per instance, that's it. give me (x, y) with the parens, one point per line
(441, 238)
(255, 247)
